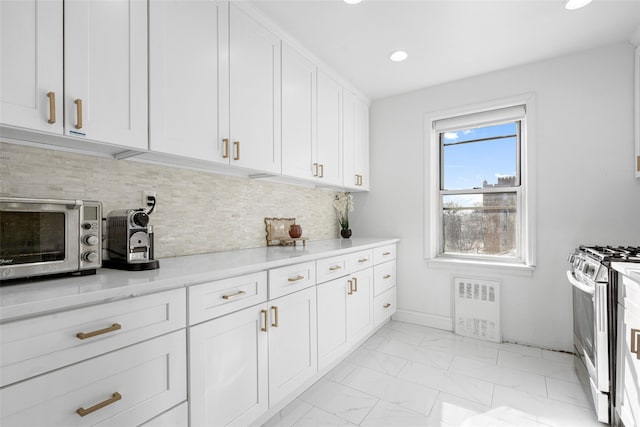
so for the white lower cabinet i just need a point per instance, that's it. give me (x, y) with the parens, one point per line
(228, 367)
(125, 387)
(293, 352)
(174, 417)
(344, 314)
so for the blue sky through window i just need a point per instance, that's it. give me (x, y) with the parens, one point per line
(467, 166)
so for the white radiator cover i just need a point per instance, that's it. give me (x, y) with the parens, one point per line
(477, 308)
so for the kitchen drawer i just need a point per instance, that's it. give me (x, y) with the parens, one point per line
(331, 268)
(214, 299)
(137, 383)
(384, 305)
(384, 277)
(384, 253)
(174, 417)
(33, 346)
(285, 280)
(359, 260)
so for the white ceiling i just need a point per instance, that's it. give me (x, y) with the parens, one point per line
(446, 39)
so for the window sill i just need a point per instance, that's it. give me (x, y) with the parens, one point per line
(474, 265)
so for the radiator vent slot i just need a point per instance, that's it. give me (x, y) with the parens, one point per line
(477, 308)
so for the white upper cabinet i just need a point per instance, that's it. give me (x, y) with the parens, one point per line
(298, 114)
(105, 71)
(31, 64)
(188, 78)
(329, 145)
(254, 94)
(356, 142)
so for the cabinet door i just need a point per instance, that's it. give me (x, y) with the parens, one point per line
(105, 71)
(228, 369)
(254, 92)
(293, 344)
(628, 388)
(188, 89)
(359, 305)
(31, 64)
(329, 146)
(355, 130)
(298, 114)
(332, 321)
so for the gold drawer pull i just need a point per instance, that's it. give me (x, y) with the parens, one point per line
(387, 305)
(265, 315)
(634, 341)
(295, 279)
(85, 335)
(52, 107)
(114, 398)
(363, 260)
(350, 287)
(226, 148)
(237, 294)
(236, 144)
(335, 267)
(275, 316)
(78, 103)
(386, 253)
(386, 276)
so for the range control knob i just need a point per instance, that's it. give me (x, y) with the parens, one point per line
(86, 226)
(140, 219)
(90, 256)
(90, 240)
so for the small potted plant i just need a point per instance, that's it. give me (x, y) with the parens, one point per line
(343, 203)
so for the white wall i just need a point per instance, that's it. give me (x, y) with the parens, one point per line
(586, 192)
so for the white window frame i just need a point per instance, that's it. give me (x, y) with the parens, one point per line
(526, 194)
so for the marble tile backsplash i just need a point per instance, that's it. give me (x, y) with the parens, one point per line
(197, 212)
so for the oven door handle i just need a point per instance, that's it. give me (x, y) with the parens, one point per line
(584, 288)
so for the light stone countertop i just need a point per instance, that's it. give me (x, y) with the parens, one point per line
(26, 299)
(629, 269)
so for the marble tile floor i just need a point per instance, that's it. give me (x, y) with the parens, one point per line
(409, 375)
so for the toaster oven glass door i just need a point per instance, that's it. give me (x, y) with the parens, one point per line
(32, 237)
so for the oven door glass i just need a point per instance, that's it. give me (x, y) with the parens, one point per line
(32, 237)
(584, 323)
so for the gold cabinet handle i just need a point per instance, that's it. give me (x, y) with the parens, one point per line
(85, 335)
(275, 316)
(386, 253)
(237, 294)
(363, 260)
(355, 284)
(114, 398)
(78, 103)
(360, 180)
(236, 146)
(52, 107)
(638, 163)
(634, 342)
(350, 287)
(315, 169)
(226, 148)
(296, 279)
(335, 267)
(386, 276)
(387, 305)
(321, 170)
(265, 315)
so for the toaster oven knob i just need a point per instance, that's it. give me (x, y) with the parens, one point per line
(90, 257)
(90, 240)
(140, 219)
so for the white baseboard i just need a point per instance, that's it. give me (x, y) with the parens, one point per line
(424, 319)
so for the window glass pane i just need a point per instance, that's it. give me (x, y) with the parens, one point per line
(480, 157)
(483, 224)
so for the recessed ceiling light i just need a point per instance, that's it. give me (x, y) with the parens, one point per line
(398, 55)
(352, 1)
(575, 4)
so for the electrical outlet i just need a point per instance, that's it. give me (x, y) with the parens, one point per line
(146, 202)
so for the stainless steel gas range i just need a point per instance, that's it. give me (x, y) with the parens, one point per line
(594, 286)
